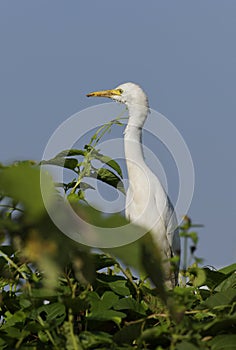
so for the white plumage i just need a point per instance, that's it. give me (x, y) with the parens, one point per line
(147, 203)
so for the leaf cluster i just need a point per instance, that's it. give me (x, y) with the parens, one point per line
(58, 294)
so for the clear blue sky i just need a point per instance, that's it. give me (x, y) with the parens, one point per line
(182, 52)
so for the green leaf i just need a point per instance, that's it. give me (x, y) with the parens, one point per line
(108, 300)
(16, 333)
(228, 283)
(197, 276)
(223, 342)
(92, 340)
(69, 163)
(101, 307)
(70, 153)
(3, 344)
(213, 278)
(43, 337)
(116, 283)
(101, 261)
(109, 178)
(194, 237)
(221, 298)
(128, 334)
(119, 287)
(13, 319)
(54, 313)
(107, 160)
(22, 182)
(130, 304)
(228, 269)
(7, 249)
(224, 324)
(25, 303)
(185, 345)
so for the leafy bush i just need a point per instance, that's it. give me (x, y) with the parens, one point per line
(58, 294)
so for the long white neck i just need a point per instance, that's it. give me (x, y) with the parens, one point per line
(133, 140)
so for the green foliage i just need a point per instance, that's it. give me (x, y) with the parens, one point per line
(58, 294)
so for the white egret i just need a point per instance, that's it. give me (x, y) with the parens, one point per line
(147, 203)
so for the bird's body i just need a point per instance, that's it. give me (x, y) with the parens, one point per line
(147, 203)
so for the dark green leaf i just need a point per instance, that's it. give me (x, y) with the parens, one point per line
(70, 153)
(101, 307)
(109, 161)
(53, 313)
(69, 163)
(94, 340)
(128, 334)
(120, 287)
(223, 342)
(213, 278)
(131, 304)
(109, 178)
(185, 345)
(101, 261)
(221, 298)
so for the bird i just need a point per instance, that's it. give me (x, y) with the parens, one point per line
(147, 203)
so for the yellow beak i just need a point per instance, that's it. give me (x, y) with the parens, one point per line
(105, 93)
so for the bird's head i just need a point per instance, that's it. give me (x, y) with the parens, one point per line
(132, 96)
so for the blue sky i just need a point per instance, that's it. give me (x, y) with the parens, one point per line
(182, 53)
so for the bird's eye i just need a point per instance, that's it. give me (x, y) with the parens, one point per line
(120, 91)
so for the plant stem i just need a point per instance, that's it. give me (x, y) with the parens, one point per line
(11, 262)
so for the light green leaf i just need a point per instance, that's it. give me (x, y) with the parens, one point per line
(228, 269)
(22, 182)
